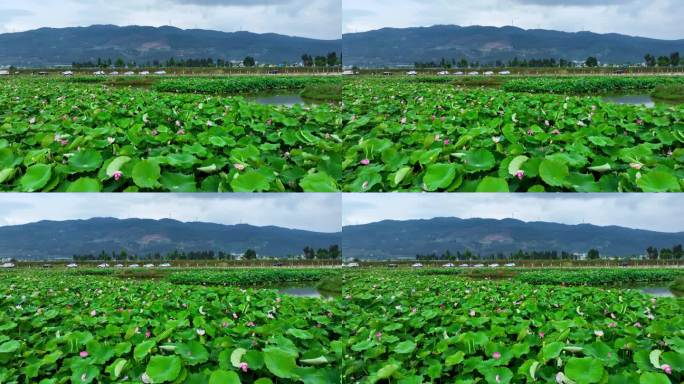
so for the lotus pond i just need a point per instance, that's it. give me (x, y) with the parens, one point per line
(57, 328)
(412, 328)
(416, 136)
(63, 136)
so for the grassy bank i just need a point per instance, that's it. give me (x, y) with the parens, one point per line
(678, 285)
(670, 92)
(323, 92)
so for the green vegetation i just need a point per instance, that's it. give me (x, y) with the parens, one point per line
(413, 329)
(409, 136)
(588, 84)
(244, 277)
(599, 276)
(57, 329)
(57, 136)
(323, 92)
(240, 84)
(672, 93)
(678, 285)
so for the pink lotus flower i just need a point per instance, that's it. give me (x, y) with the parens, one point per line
(434, 117)
(225, 324)
(442, 118)
(546, 122)
(541, 335)
(598, 333)
(83, 354)
(637, 324)
(154, 132)
(269, 122)
(446, 141)
(560, 378)
(612, 324)
(251, 324)
(201, 332)
(520, 174)
(244, 367)
(117, 175)
(111, 140)
(239, 167)
(235, 316)
(148, 334)
(378, 335)
(496, 355)
(403, 120)
(639, 122)
(180, 132)
(666, 368)
(64, 142)
(93, 313)
(178, 123)
(555, 132)
(364, 162)
(472, 313)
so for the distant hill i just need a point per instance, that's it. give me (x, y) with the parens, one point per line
(405, 239)
(400, 46)
(55, 46)
(62, 239)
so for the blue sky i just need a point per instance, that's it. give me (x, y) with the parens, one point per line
(649, 18)
(308, 18)
(314, 212)
(659, 212)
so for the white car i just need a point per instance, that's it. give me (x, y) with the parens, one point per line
(351, 265)
(412, 73)
(165, 265)
(67, 73)
(474, 73)
(72, 265)
(443, 73)
(7, 265)
(160, 73)
(4, 72)
(510, 265)
(144, 73)
(134, 266)
(347, 73)
(459, 73)
(504, 73)
(99, 73)
(478, 265)
(448, 265)
(494, 265)
(417, 265)
(103, 265)
(119, 265)
(488, 73)
(114, 73)
(464, 265)
(129, 73)
(148, 265)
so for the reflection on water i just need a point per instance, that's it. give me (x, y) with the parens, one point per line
(644, 99)
(658, 291)
(287, 100)
(305, 291)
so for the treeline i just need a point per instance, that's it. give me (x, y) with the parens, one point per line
(331, 253)
(652, 253)
(673, 60)
(329, 60)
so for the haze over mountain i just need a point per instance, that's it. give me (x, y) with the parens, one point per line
(62, 239)
(392, 239)
(405, 46)
(61, 46)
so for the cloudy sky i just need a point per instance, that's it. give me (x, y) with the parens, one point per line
(659, 212)
(650, 18)
(315, 212)
(308, 18)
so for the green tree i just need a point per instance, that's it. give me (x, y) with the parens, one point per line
(591, 62)
(320, 61)
(119, 63)
(593, 254)
(674, 59)
(249, 254)
(652, 253)
(249, 61)
(663, 61)
(332, 59)
(650, 60)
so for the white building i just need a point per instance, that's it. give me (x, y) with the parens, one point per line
(4, 72)
(7, 265)
(67, 73)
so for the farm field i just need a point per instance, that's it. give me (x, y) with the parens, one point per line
(78, 135)
(83, 327)
(413, 328)
(427, 134)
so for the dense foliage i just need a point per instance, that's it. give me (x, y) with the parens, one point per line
(58, 329)
(240, 84)
(248, 276)
(414, 329)
(588, 84)
(56, 136)
(599, 276)
(408, 136)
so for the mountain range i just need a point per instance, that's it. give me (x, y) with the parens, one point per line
(61, 46)
(405, 46)
(404, 239)
(61, 239)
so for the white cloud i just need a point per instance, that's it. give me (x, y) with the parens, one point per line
(307, 18)
(660, 212)
(649, 18)
(315, 212)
